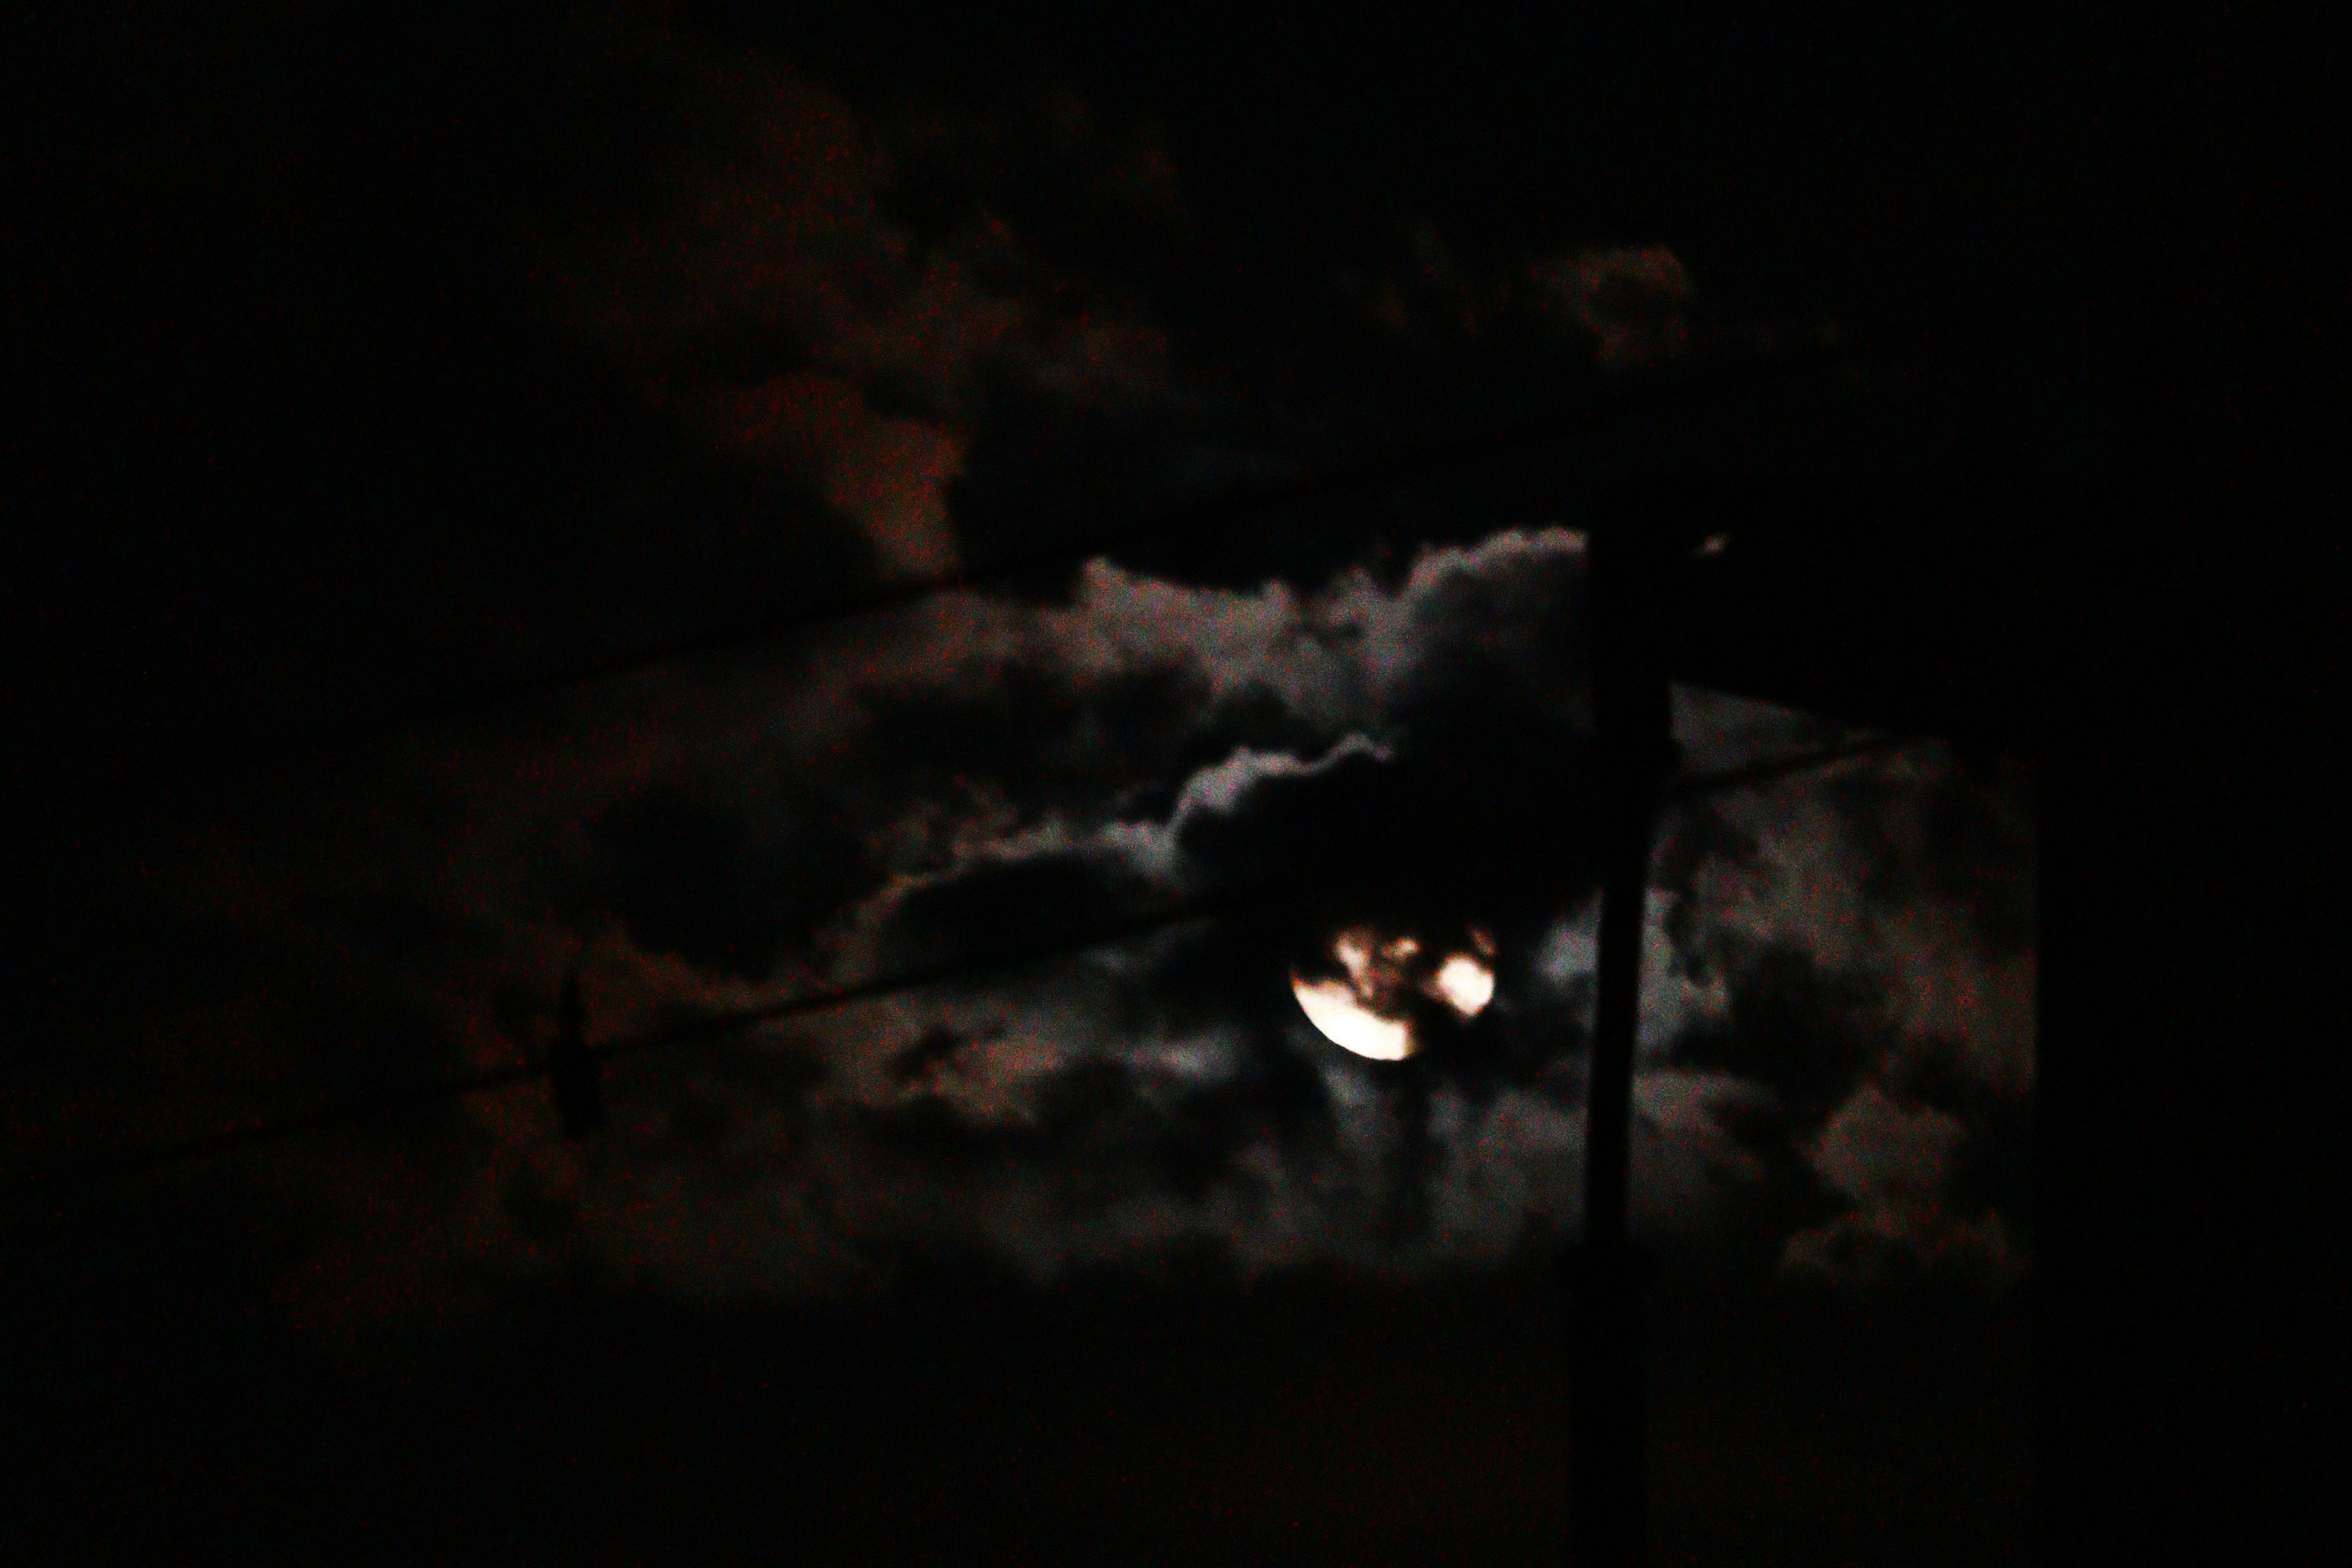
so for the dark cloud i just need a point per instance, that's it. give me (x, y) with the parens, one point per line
(1979, 841)
(677, 876)
(1992, 1170)
(1054, 897)
(1868, 933)
(1400, 750)
(1047, 469)
(817, 330)
(1773, 1194)
(310, 449)
(1637, 303)
(935, 1045)
(1044, 735)
(834, 293)
(1474, 815)
(732, 873)
(1807, 1033)
(1102, 1133)
(1689, 839)
(725, 1116)
(1232, 972)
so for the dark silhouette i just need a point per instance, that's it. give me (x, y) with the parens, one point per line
(1607, 1476)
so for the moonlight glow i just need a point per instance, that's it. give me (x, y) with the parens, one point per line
(1463, 985)
(1363, 1012)
(1332, 1005)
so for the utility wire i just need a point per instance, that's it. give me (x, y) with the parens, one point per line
(703, 1029)
(1601, 408)
(715, 1026)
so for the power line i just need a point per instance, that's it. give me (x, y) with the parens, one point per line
(1599, 410)
(710, 1027)
(698, 1030)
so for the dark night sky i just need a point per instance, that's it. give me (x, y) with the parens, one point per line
(376, 361)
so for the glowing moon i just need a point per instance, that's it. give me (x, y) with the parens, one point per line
(1362, 1012)
(1463, 984)
(1331, 1006)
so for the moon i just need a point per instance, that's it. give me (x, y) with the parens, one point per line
(1332, 1005)
(1360, 1013)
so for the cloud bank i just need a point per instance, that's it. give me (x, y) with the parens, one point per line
(1836, 1040)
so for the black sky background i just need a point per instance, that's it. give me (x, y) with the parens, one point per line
(336, 366)
(303, 442)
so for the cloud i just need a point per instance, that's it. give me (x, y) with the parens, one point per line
(1248, 808)
(1167, 1088)
(1676, 1002)
(1405, 752)
(774, 304)
(1870, 1249)
(920, 338)
(888, 474)
(1869, 930)
(1634, 301)
(1533, 321)
(1238, 1111)
(1633, 307)
(680, 883)
(1046, 895)
(1328, 804)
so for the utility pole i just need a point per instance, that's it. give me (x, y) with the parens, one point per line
(1607, 1431)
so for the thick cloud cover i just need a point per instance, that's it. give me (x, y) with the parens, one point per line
(1836, 1052)
(824, 300)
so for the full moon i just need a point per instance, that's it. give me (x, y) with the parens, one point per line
(1360, 1013)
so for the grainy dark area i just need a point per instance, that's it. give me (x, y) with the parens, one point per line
(444, 448)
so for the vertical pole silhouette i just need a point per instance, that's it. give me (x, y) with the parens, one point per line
(571, 1067)
(1607, 1477)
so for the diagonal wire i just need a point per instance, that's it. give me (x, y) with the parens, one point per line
(715, 1026)
(702, 1030)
